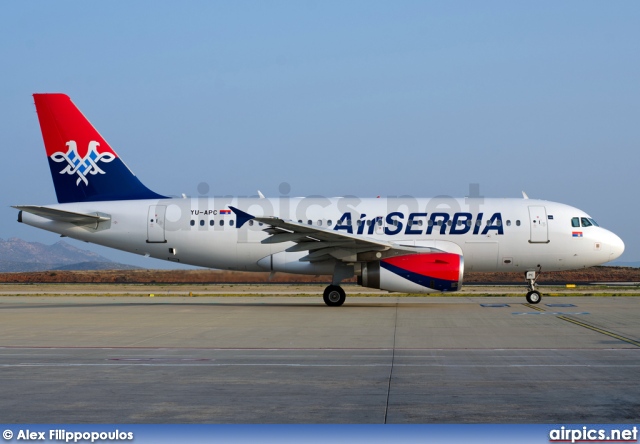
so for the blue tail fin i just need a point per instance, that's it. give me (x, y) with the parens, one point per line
(83, 165)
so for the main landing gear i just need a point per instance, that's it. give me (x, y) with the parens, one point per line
(533, 295)
(334, 296)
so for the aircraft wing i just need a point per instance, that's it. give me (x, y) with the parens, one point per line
(64, 216)
(324, 243)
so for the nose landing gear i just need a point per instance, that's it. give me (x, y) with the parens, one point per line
(533, 295)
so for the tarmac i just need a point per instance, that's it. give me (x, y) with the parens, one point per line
(287, 359)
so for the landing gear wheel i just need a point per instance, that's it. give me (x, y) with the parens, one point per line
(534, 297)
(334, 296)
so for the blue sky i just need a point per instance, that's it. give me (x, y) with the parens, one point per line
(335, 98)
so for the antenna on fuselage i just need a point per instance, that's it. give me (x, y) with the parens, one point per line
(524, 195)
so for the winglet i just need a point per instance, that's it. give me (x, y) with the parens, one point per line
(241, 217)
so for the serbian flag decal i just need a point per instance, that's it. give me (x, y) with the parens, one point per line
(576, 233)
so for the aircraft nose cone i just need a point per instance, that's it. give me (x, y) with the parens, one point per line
(617, 247)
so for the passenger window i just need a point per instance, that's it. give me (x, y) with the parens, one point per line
(212, 222)
(329, 222)
(449, 222)
(251, 223)
(319, 223)
(575, 222)
(260, 223)
(299, 221)
(518, 223)
(508, 223)
(221, 222)
(202, 223)
(360, 223)
(231, 223)
(585, 222)
(469, 222)
(379, 222)
(193, 222)
(309, 222)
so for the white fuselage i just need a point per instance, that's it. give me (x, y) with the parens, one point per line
(491, 234)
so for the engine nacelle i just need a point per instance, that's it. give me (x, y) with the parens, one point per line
(414, 273)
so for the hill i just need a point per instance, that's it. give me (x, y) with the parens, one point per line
(18, 255)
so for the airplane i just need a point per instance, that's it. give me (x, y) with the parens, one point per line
(409, 245)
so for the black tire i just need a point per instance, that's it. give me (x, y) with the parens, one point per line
(334, 296)
(534, 297)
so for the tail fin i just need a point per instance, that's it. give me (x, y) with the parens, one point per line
(83, 165)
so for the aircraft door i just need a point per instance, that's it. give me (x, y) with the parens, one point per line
(538, 222)
(155, 224)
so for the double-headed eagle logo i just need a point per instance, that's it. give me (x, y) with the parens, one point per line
(82, 166)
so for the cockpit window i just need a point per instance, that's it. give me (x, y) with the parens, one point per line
(594, 222)
(586, 222)
(575, 221)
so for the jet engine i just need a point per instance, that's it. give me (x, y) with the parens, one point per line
(414, 273)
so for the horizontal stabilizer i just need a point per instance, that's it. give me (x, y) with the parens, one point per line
(64, 216)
